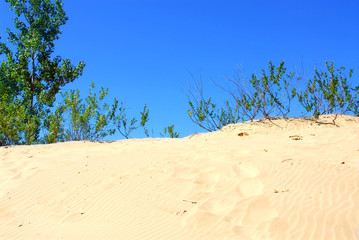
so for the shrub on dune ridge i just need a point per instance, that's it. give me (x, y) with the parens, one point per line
(329, 92)
(92, 119)
(80, 119)
(273, 94)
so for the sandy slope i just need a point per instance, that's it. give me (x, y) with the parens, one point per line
(290, 179)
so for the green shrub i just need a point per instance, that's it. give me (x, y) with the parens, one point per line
(81, 119)
(269, 95)
(273, 94)
(126, 126)
(329, 92)
(169, 131)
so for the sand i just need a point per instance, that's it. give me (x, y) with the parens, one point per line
(285, 179)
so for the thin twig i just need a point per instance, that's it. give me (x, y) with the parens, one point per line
(190, 201)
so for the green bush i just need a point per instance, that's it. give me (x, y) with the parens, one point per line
(329, 92)
(267, 96)
(126, 126)
(92, 119)
(273, 94)
(87, 119)
(169, 131)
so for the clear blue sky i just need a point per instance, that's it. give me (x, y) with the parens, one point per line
(144, 51)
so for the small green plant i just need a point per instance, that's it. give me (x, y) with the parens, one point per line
(169, 131)
(126, 126)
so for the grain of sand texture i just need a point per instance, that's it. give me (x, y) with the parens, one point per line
(285, 179)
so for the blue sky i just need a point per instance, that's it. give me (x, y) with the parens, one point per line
(145, 51)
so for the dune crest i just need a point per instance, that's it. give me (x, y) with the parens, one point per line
(280, 179)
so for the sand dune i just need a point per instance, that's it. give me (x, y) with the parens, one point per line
(285, 179)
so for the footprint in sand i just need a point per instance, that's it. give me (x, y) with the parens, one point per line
(250, 187)
(249, 184)
(278, 227)
(249, 218)
(203, 220)
(245, 170)
(182, 172)
(217, 205)
(107, 183)
(251, 211)
(206, 181)
(258, 211)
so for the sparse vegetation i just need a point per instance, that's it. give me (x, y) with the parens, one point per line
(169, 131)
(273, 94)
(329, 92)
(126, 126)
(269, 95)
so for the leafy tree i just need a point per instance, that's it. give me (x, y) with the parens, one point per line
(31, 77)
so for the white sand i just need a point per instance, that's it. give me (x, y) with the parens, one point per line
(296, 181)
